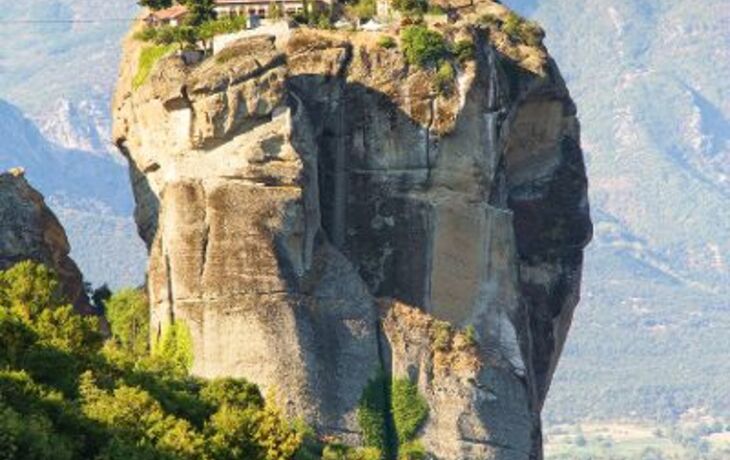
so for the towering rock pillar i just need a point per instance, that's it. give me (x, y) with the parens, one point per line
(318, 209)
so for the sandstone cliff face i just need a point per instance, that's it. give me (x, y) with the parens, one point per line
(30, 231)
(287, 184)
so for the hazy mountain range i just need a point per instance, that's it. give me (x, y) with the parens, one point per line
(56, 80)
(650, 80)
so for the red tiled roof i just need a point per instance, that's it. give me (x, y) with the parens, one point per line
(173, 12)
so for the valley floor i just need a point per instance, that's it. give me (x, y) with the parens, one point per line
(697, 439)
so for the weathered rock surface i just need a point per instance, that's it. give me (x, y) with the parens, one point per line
(30, 231)
(286, 184)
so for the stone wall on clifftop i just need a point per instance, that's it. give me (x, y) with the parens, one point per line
(286, 187)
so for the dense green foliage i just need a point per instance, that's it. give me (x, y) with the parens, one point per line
(373, 411)
(390, 415)
(129, 318)
(224, 25)
(175, 347)
(65, 395)
(413, 450)
(27, 288)
(386, 41)
(362, 9)
(423, 47)
(410, 6)
(517, 28)
(199, 11)
(464, 50)
(445, 76)
(155, 4)
(341, 452)
(201, 25)
(410, 410)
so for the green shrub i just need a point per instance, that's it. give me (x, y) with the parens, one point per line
(367, 453)
(464, 50)
(311, 447)
(372, 415)
(176, 347)
(410, 410)
(147, 34)
(199, 11)
(342, 452)
(27, 288)
(445, 76)
(441, 336)
(412, 451)
(363, 9)
(232, 392)
(519, 29)
(225, 25)
(386, 41)
(65, 330)
(423, 47)
(470, 334)
(147, 60)
(155, 4)
(511, 25)
(372, 412)
(129, 318)
(16, 338)
(410, 6)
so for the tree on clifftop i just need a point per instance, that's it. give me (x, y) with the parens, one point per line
(156, 4)
(199, 11)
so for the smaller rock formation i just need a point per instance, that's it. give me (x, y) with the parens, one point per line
(30, 231)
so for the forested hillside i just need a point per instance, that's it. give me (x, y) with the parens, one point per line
(650, 80)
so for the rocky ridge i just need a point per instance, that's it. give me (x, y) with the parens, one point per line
(287, 184)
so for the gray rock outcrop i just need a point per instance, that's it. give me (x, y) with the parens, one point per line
(289, 183)
(30, 231)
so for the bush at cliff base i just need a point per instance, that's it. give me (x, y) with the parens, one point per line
(67, 394)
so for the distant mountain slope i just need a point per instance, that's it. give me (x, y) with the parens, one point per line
(90, 194)
(650, 81)
(61, 76)
(42, 63)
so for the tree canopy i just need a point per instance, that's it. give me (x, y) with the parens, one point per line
(65, 395)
